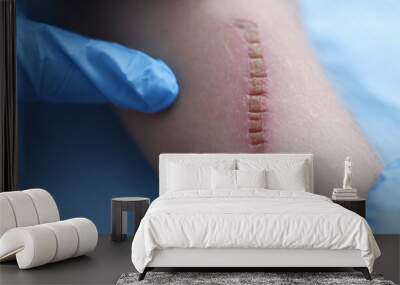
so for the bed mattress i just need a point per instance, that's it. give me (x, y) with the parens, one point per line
(250, 219)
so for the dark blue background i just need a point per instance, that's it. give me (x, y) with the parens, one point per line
(83, 156)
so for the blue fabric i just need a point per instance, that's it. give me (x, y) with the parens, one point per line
(63, 67)
(383, 201)
(358, 45)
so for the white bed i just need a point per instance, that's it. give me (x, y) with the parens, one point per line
(249, 227)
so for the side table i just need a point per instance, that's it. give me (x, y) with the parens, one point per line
(119, 208)
(356, 205)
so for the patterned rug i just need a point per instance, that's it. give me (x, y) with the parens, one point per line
(269, 278)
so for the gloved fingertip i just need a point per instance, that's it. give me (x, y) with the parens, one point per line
(65, 67)
(156, 87)
(167, 99)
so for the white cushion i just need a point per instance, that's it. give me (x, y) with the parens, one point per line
(45, 206)
(251, 178)
(230, 180)
(7, 219)
(23, 208)
(291, 178)
(67, 240)
(26, 208)
(188, 175)
(34, 244)
(223, 179)
(281, 175)
(40, 244)
(182, 177)
(87, 233)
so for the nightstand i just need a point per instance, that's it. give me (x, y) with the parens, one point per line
(119, 208)
(356, 205)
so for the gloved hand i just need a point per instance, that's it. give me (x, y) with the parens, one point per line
(64, 67)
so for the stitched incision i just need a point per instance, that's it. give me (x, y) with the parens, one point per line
(257, 92)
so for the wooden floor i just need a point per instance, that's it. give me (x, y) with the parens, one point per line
(103, 266)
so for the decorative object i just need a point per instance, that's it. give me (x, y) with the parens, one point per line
(347, 192)
(32, 233)
(355, 205)
(119, 208)
(347, 174)
(243, 278)
(344, 194)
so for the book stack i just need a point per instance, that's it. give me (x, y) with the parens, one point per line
(344, 194)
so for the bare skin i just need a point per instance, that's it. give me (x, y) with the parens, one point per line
(209, 55)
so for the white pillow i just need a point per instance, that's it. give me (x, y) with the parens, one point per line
(223, 179)
(289, 179)
(185, 177)
(251, 178)
(281, 175)
(188, 174)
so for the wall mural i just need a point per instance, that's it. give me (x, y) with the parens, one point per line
(105, 88)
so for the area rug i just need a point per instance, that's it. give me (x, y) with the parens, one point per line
(269, 278)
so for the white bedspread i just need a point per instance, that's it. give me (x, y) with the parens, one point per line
(250, 219)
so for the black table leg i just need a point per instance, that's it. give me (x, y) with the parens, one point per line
(117, 219)
(119, 208)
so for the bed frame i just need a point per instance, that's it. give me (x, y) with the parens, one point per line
(245, 259)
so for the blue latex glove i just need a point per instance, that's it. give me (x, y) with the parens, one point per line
(63, 67)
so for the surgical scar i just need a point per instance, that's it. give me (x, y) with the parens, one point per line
(255, 50)
(257, 92)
